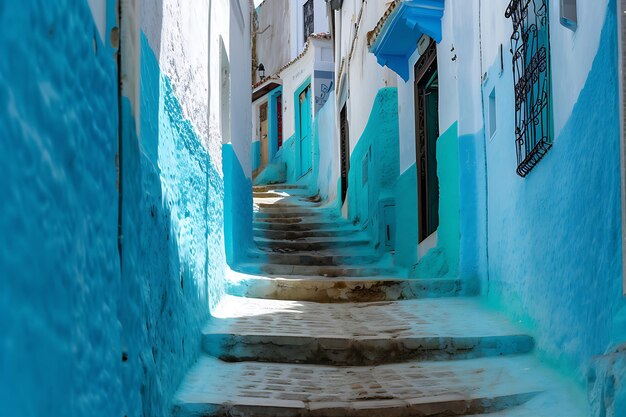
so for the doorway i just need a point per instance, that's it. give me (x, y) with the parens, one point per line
(279, 121)
(426, 134)
(306, 150)
(263, 134)
(344, 151)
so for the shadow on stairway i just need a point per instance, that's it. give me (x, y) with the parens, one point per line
(316, 323)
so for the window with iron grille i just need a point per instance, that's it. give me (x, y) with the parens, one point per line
(308, 18)
(530, 47)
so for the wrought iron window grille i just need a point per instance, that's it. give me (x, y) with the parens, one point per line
(530, 49)
(308, 18)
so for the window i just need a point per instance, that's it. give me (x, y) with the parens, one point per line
(492, 113)
(308, 19)
(530, 47)
(569, 16)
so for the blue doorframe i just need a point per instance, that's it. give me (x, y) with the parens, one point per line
(303, 136)
(273, 122)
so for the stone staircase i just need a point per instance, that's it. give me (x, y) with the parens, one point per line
(315, 324)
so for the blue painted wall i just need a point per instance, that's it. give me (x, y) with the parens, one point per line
(59, 264)
(380, 141)
(286, 156)
(285, 162)
(256, 155)
(237, 207)
(555, 237)
(473, 208)
(272, 131)
(406, 218)
(173, 246)
(442, 260)
(326, 165)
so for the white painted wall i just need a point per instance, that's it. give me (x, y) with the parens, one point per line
(329, 169)
(273, 37)
(99, 13)
(460, 91)
(186, 42)
(478, 27)
(406, 117)
(240, 58)
(293, 77)
(364, 76)
(316, 58)
(320, 24)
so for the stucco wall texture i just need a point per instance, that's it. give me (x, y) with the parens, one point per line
(173, 246)
(555, 239)
(374, 164)
(59, 266)
(102, 335)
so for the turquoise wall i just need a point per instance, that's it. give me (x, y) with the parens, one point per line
(473, 208)
(173, 248)
(380, 140)
(326, 170)
(448, 233)
(286, 156)
(256, 155)
(237, 207)
(443, 260)
(285, 164)
(60, 280)
(555, 237)
(406, 218)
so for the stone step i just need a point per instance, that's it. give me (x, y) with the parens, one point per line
(303, 234)
(302, 226)
(353, 334)
(315, 244)
(312, 270)
(284, 194)
(267, 196)
(320, 258)
(344, 290)
(567, 401)
(273, 187)
(463, 387)
(289, 203)
(302, 213)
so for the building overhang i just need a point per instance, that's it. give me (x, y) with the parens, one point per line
(395, 37)
(265, 87)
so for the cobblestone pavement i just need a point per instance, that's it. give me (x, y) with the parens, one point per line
(424, 349)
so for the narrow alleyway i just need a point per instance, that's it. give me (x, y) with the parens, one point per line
(319, 208)
(303, 342)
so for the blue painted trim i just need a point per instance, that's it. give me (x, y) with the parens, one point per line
(298, 136)
(273, 122)
(398, 37)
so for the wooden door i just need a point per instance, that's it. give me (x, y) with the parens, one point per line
(344, 151)
(426, 135)
(263, 134)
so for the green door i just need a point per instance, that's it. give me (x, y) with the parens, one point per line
(306, 148)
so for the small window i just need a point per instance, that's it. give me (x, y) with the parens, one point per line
(308, 18)
(569, 16)
(492, 113)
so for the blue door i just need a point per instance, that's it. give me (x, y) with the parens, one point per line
(306, 148)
